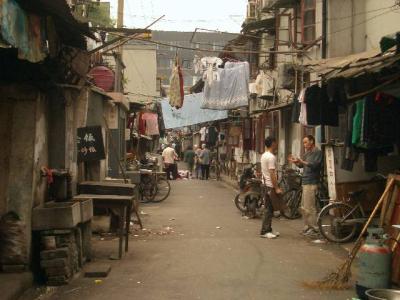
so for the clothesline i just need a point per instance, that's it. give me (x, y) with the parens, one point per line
(217, 51)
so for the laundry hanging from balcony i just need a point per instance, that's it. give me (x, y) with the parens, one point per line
(316, 107)
(176, 91)
(230, 89)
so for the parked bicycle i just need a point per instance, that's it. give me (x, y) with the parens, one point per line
(339, 222)
(154, 186)
(290, 182)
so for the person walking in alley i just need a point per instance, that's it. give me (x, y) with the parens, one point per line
(189, 158)
(205, 162)
(197, 162)
(169, 156)
(272, 190)
(311, 164)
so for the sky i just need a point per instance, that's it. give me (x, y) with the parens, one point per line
(184, 15)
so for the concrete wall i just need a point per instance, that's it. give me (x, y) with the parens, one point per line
(95, 117)
(141, 70)
(358, 25)
(23, 132)
(380, 22)
(6, 112)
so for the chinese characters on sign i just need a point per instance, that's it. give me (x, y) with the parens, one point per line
(90, 144)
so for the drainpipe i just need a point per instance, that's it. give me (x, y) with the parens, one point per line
(324, 48)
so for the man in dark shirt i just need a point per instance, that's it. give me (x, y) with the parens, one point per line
(311, 164)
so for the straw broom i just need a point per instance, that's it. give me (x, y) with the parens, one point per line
(339, 279)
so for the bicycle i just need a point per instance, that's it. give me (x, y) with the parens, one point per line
(154, 186)
(291, 179)
(339, 222)
(215, 170)
(291, 185)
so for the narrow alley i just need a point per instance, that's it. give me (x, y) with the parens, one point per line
(197, 246)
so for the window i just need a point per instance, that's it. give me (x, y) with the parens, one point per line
(308, 15)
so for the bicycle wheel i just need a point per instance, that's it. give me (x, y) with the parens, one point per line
(163, 190)
(331, 222)
(148, 189)
(239, 202)
(292, 200)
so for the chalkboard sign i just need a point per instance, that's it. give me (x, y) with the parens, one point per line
(90, 144)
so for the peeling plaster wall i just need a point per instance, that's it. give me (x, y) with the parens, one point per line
(6, 112)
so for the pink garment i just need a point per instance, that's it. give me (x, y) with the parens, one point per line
(303, 108)
(151, 121)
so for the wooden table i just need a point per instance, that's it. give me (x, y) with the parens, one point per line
(123, 204)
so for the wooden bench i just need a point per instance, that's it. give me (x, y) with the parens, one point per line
(123, 204)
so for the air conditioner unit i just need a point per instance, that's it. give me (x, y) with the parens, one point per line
(252, 10)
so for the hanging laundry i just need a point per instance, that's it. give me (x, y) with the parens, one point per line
(253, 89)
(313, 105)
(151, 122)
(202, 64)
(212, 136)
(23, 31)
(329, 111)
(357, 122)
(141, 124)
(265, 85)
(203, 134)
(232, 89)
(303, 108)
(176, 93)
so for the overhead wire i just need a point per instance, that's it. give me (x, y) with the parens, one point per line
(393, 9)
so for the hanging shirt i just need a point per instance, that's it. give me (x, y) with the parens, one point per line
(303, 108)
(151, 120)
(203, 134)
(313, 105)
(264, 85)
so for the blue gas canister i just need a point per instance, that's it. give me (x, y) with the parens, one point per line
(374, 263)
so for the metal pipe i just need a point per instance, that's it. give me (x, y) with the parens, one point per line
(324, 49)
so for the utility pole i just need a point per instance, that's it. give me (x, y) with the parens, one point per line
(118, 57)
(120, 17)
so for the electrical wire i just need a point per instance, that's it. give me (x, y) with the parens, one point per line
(363, 22)
(361, 13)
(218, 51)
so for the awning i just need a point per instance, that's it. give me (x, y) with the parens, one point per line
(119, 98)
(259, 25)
(190, 113)
(324, 66)
(362, 74)
(279, 4)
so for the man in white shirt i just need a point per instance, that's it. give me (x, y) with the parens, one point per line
(268, 169)
(169, 156)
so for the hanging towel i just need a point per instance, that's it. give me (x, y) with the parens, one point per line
(232, 89)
